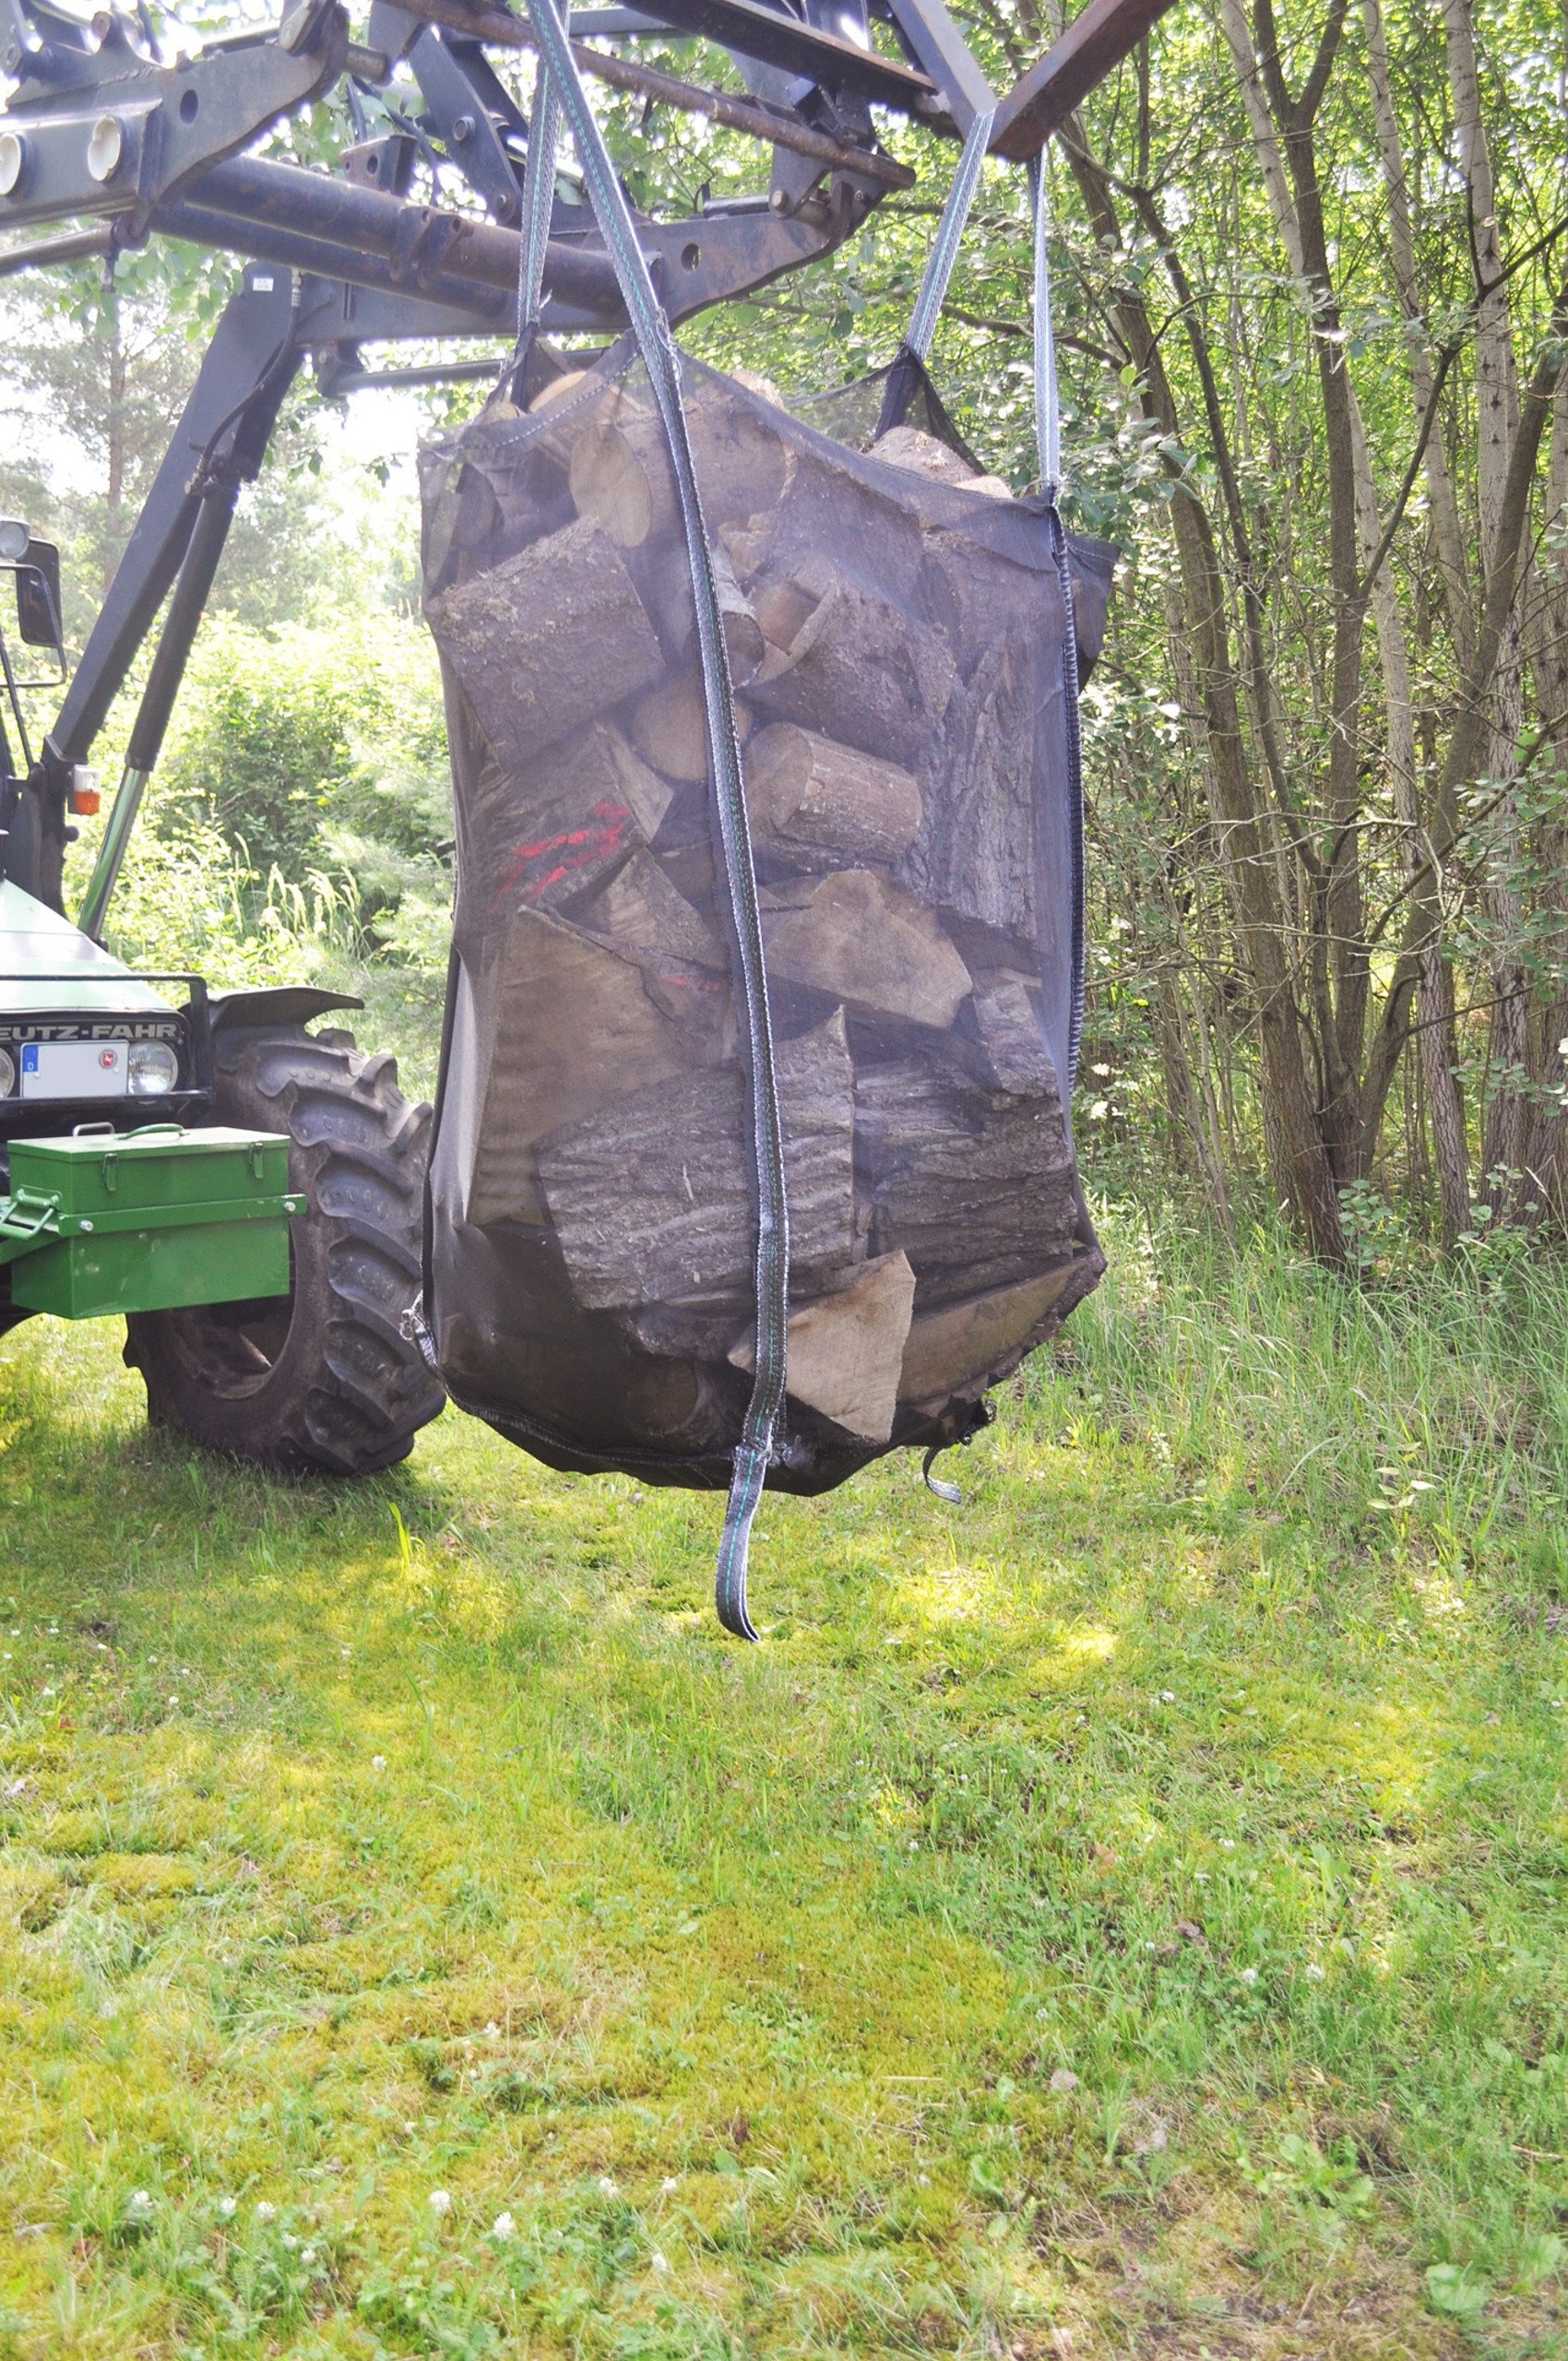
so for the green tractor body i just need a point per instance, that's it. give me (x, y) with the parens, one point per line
(97, 1218)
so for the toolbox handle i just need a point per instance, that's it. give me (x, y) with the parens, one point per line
(85, 1131)
(145, 1131)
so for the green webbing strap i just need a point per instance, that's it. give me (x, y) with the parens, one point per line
(539, 198)
(907, 373)
(1048, 412)
(1048, 432)
(662, 360)
(949, 238)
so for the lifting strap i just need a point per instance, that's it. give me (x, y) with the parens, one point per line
(662, 360)
(1048, 434)
(539, 200)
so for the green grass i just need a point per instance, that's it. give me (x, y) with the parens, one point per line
(1123, 1915)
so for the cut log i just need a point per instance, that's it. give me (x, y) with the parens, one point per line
(923, 454)
(621, 475)
(461, 518)
(572, 1030)
(978, 1336)
(742, 464)
(652, 1200)
(552, 836)
(763, 387)
(976, 850)
(845, 1352)
(557, 391)
(671, 602)
(668, 729)
(783, 609)
(641, 910)
(547, 640)
(825, 804)
(978, 1190)
(1010, 1053)
(855, 669)
(861, 940)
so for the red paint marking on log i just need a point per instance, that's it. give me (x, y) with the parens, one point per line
(583, 847)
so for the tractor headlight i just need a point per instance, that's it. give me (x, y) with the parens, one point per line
(7, 1074)
(151, 1069)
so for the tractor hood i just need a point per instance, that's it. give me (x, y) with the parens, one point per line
(47, 968)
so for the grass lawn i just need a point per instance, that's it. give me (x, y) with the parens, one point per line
(1126, 1914)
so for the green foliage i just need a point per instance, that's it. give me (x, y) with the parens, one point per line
(319, 748)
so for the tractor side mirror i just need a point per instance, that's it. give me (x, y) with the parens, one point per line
(37, 598)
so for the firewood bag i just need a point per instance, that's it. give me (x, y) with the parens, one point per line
(894, 629)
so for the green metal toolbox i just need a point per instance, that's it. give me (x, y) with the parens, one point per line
(102, 1222)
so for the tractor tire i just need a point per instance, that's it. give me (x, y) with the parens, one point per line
(323, 1382)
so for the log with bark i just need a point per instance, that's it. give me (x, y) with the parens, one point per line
(976, 851)
(860, 939)
(547, 641)
(979, 1189)
(845, 661)
(651, 1198)
(820, 805)
(907, 446)
(985, 1336)
(571, 1031)
(552, 836)
(669, 597)
(1003, 1030)
(622, 475)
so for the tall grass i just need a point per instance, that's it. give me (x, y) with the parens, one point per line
(1440, 1396)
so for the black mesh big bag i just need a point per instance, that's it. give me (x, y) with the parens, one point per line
(753, 1158)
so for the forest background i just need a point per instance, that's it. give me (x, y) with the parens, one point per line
(1310, 267)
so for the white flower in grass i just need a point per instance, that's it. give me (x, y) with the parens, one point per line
(139, 2208)
(1167, 1696)
(440, 2201)
(227, 2208)
(307, 2256)
(659, 2262)
(606, 2187)
(493, 2031)
(290, 2241)
(670, 2184)
(266, 2210)
(1249, 1975)
(502, 2226)
(1315, 1972)
(379, 1762)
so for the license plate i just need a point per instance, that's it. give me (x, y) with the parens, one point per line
(73, 1069)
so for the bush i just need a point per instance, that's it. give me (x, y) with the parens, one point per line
(317, 748)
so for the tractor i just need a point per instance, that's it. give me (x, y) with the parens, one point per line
(245, 1192)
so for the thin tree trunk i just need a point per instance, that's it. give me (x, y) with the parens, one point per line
(1436, 1049)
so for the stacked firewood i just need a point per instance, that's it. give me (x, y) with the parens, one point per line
(935, 1226)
